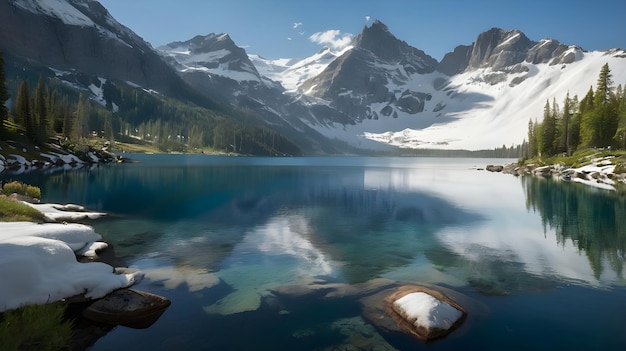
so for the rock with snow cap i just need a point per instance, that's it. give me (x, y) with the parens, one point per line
(425, 313)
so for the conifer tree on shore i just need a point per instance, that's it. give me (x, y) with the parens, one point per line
(4, 96)
(598, 120)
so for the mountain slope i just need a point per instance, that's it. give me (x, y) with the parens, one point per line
(378, 93)
(369, 73)
(216, 67)
(480, 96)
(80, 35)
(381, 93)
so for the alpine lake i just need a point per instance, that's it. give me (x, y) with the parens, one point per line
(277, 253)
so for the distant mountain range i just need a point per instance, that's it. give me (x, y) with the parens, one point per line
(379, 93)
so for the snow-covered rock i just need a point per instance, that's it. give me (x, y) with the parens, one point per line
(423, 312)
(426, 311)
(38, 265)
(70, 212)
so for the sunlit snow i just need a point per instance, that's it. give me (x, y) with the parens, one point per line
(428, 312)
(38, 264)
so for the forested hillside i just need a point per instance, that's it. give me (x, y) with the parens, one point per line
(598, 120)
(46, 106)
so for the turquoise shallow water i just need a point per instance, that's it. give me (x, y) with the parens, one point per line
(272, 253)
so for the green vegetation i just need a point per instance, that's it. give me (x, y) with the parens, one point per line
(20, 188)
(131, 115)
(595, 125)
(37, 327)
(13, 211)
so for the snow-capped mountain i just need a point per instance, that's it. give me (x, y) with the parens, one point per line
(80, 36)
(483, 95)
(377, 93)
(291, 73)
(381, 92)
(214, 65)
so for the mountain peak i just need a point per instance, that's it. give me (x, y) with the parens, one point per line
(371, 35)
(499, 48)
(379, 26)
(379, 41)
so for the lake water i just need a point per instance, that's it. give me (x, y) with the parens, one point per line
(275, 253)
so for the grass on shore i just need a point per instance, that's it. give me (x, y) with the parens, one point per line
(36, 327)
(15, 211)
(583, 157)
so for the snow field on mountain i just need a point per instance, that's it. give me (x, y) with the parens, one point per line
(57, 8)
(291, 73)
(479, 115)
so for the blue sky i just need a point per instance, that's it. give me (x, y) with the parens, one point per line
(286, 29)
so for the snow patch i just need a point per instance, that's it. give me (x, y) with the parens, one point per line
(60, 9)
(38, 265)
(427, 311)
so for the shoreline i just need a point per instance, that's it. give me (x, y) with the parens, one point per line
(63, 262)
(598, 173)
(19, 157)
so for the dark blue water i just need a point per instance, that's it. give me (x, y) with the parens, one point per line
(277, 253)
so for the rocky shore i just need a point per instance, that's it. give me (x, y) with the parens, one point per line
(599, 172)
(64, 262)
(18, 157)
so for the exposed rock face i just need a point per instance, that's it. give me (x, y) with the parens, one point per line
(549, 51)
(501, 49)
(215, 66)
(363, 76)
(85, 39)
(211, 52)
(455, 62)
(498, 48)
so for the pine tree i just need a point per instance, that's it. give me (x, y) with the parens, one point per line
(83, 112)
(603, 88)
(588, 122)
(566, 116)
(68, 120)
(41, 111)
(548, 132)
(620, 134)
(574, 135)
(23, 113)
(605, 109)
(532, 140)
(4, 96)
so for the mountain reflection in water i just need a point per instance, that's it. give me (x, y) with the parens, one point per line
(226, 237)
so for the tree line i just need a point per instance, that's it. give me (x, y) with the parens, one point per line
(127, 113)
(598, 120)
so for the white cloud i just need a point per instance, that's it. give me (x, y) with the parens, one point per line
(296, 25)
(333, 38)
(367, 18)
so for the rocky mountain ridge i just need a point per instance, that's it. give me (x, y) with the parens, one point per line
(81, 36)
(378, 93)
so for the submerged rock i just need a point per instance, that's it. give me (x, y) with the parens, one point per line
(425, 313)
(420, 313)
(128, 307)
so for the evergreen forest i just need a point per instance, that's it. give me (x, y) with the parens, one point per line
(130, 114)
(598, 120)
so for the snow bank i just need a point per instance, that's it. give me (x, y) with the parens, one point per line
(597, 173)
(38, 264)
(427, 311)
(69, 212)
